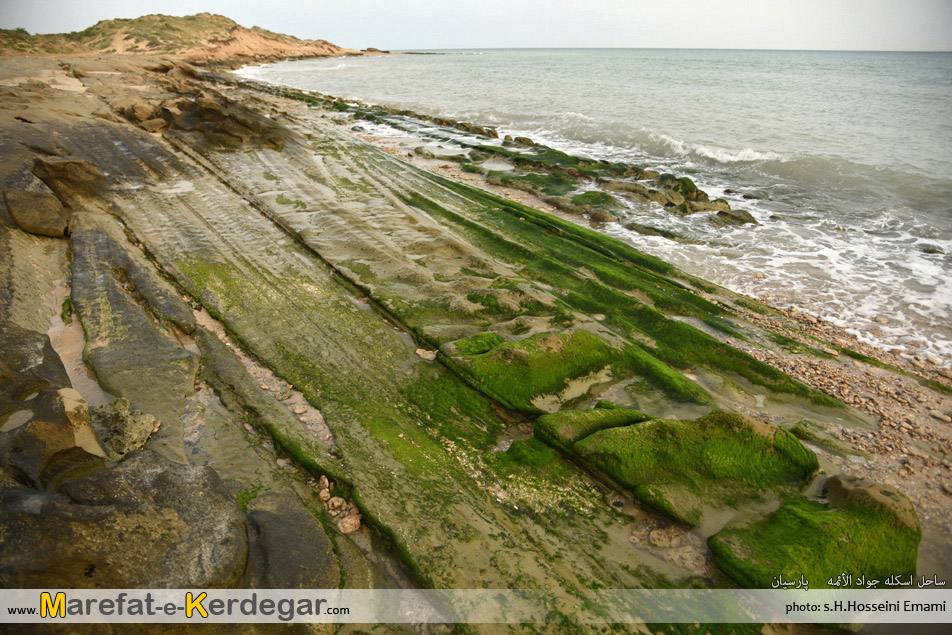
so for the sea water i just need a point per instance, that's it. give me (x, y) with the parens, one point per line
(849, 154)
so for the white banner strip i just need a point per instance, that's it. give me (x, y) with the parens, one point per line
(474, 606)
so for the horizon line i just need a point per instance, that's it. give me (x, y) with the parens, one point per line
(661, 48)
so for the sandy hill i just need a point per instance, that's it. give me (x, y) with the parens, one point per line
(199, 37)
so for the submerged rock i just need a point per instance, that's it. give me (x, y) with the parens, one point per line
(36, 212)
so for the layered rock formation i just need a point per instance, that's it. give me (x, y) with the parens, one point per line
(346, 357)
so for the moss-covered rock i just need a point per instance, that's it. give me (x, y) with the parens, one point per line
(687, 469)
(533, 375)
(683, 185)
(550, 184)
(596, 198)
(563, 429)
(865, 530)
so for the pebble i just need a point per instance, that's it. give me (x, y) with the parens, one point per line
(426, 355)
(940, 416)
(349, 524)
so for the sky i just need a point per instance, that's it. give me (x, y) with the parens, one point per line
(424, 24)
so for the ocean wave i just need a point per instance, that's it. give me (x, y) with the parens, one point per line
(739, 156)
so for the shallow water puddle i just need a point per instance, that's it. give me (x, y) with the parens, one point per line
(16, 419)
(69, 340)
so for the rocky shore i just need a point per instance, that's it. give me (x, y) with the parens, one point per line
(380, 366)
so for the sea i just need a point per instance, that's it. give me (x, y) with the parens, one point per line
(845, 158)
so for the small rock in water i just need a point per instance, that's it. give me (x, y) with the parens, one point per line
(940, 416)
(324, 495)
(324, 483)
(424, 354)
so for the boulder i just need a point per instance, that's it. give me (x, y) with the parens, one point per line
(28, 364)
(71, 180)
(183, 71)
(717, 205)
(601, 216)
(36, 212)
(349, 524)
(733, 217)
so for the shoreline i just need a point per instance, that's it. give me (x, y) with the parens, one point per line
(854, 377)
(918, 358)
(361, 286)
(902, 311)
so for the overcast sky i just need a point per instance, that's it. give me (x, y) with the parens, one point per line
(417, 24)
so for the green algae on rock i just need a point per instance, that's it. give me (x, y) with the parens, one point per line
(687, 469)
(564, 429)
(871, 536)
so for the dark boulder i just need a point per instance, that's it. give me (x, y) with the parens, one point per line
(733, 217)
